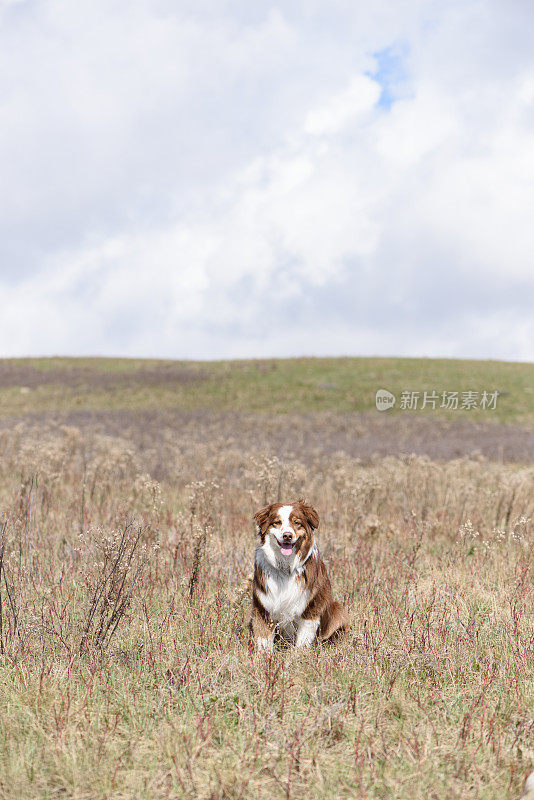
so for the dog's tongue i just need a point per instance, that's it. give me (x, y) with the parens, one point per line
(286, 549)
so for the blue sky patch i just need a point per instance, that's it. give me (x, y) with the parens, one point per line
(390, 73)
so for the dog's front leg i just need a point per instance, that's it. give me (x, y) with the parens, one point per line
(262, 630)
(306, 632)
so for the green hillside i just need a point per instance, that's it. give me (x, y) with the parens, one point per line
(270, 385)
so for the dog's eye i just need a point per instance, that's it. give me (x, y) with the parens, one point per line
(299, 524)
(277, 523)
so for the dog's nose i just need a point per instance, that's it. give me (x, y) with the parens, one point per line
(287, 537)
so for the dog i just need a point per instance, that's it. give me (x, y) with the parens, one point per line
(291, 591)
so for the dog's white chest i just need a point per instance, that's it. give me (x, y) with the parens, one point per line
(284, 599)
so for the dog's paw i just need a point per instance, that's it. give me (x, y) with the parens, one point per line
(264, 645)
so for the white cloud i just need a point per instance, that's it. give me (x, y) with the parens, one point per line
(340, 109)
(225, 181)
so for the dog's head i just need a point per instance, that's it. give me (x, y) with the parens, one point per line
(289, 528)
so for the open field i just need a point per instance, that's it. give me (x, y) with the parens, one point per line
(126, 668)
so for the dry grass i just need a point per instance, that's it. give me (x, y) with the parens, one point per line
(169, 441)
(126, 669)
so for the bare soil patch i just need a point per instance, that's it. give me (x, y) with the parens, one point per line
(16, 374)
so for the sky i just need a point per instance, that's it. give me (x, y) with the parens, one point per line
(230, 179)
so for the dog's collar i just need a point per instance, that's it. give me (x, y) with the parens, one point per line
(314, 551)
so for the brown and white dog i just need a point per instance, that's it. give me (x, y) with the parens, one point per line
(291, 591)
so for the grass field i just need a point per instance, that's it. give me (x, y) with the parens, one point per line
(273, 386)
(127, 491)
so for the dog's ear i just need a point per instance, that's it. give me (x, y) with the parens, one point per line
(261, 517)
(310, 514)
